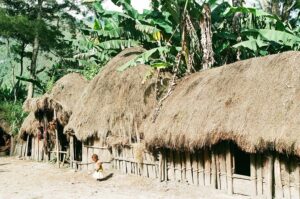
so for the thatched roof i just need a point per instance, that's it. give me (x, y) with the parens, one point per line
(62, 98)
(114, 103)
(254, 103)
(29, 126)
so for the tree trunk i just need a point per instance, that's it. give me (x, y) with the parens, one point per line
(35, 51)
(206, 38)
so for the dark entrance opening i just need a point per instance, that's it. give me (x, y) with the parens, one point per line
(241, 161)
(77, 149)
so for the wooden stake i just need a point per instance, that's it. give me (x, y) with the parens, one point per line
(12, 146)
(201, 169)
(297, 180)
(207, 167)
(213, 170)
(277, 175)
(270, 177)
(160, 167)
(27, 145)
(72, 155)
(218, 171)
(195, 169)
(188, 166)
(259, 165)
(229, 171)
(253, 173)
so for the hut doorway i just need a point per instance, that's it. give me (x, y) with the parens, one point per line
(241, 161)
(77, 149)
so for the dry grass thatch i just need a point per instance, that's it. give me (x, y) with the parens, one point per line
(29, 126)
(115, 103)
(62, 98)
(255, 103)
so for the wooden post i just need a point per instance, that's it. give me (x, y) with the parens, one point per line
(218, 171)
(207, 167)
(172, 166)
(183, 167)
(229, 171)
(289, 181)
(189, 170)
(297, 180)
(12, 146)
(160, 167)
(27, 145)
(277, 176)
(72, 155)
(57, 142)
(253, 173)
(270, 177)
(259, 169)
(201, 169)
(195, 169)
(213, 170)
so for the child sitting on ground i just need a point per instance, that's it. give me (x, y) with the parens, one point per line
(98, 174)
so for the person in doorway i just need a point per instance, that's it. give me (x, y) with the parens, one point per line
(98, 173)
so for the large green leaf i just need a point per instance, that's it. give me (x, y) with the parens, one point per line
(143, 57)
(146, 28)
(118, 44)
(280, 37)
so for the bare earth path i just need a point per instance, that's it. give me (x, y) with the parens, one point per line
(32, 180)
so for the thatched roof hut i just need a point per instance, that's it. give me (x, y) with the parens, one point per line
(62, 98)
(29, 126)
(115, 104)
(254, 103)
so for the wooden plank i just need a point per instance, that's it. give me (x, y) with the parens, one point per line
(223, 174)
(278, 180)
(218, 171)
(201, 171)
(207, 167)
(253, 174)
(41, 150)
(160, 168)
(270, 177)
(213, 170)
(170, 166)
(259, 172)
(12, 146)
(229, 171)
(72, 154)
(57, 148)
(195, 169)
(182, 167)
(26, 147)
(297, 181)
(288, 180)
(32, 148)
(84, 156)
(177, 166)
(189, 171)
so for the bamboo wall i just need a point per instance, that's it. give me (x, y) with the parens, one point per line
(271, 175)
(98, 147)
(129, 161)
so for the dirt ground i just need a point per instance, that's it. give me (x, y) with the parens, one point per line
(32, 180)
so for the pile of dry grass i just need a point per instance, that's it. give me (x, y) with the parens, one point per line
(255, 103)
(115, 104)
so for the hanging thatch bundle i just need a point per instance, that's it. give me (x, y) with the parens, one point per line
(115, 104)
(62, 99)
(255, 103)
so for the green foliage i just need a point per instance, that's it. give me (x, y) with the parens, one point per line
(13, 114)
